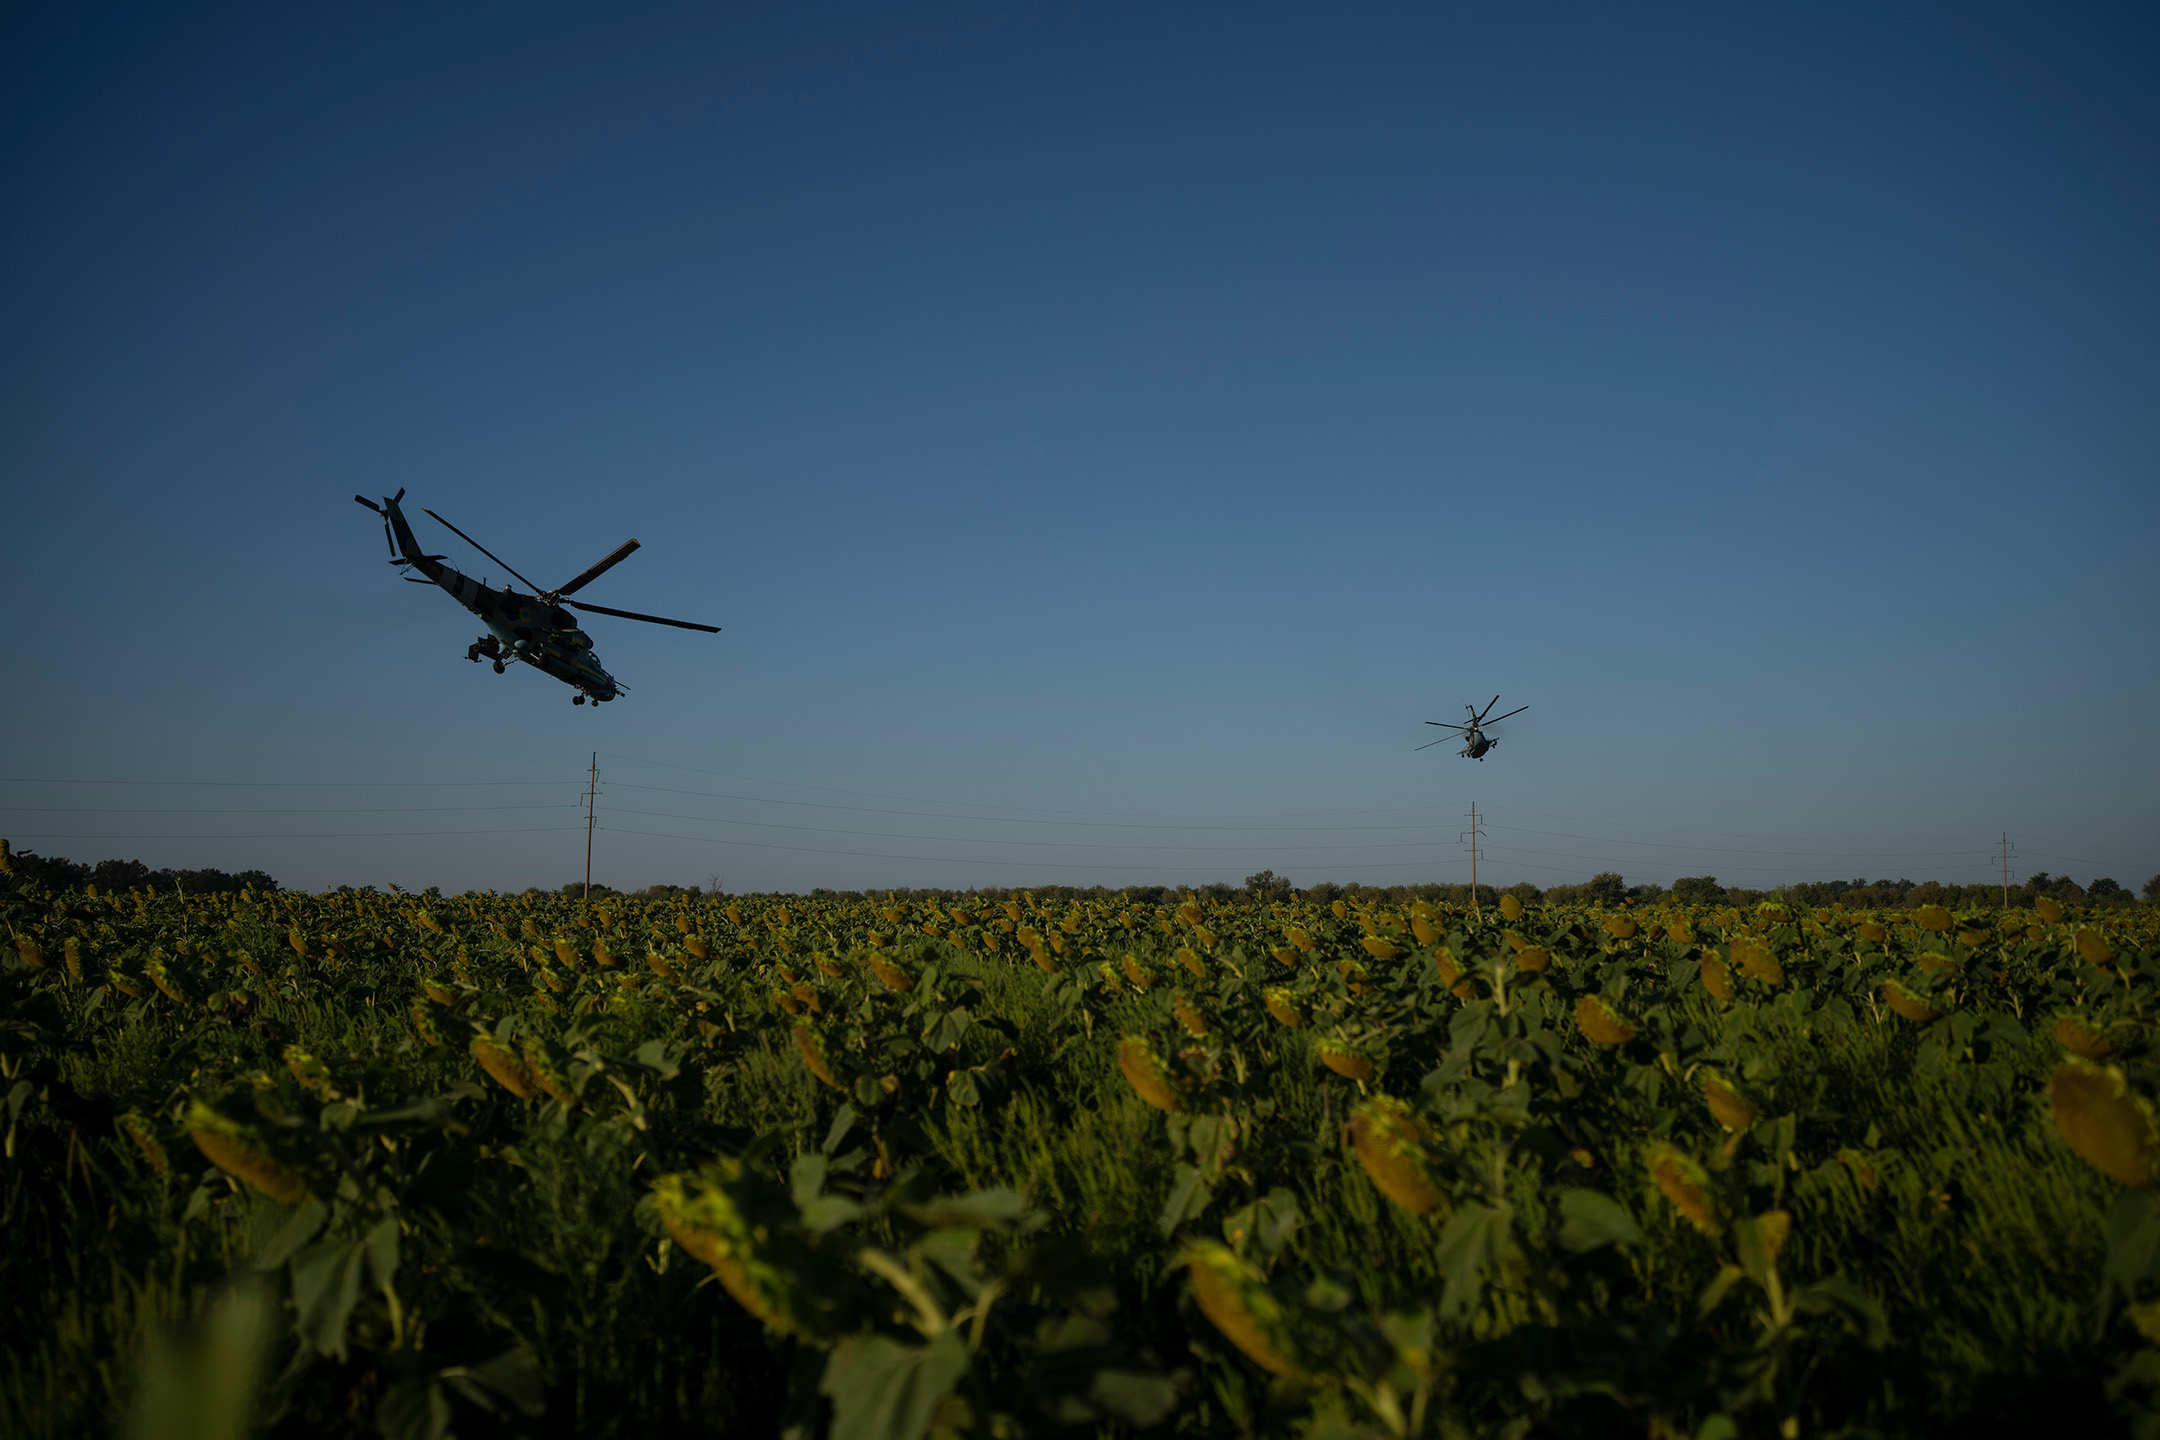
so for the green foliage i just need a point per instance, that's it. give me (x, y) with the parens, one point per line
(882, 1168)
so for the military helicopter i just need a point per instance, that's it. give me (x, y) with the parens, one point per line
(1475, 741)
(533, 628)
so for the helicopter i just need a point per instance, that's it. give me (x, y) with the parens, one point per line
(533, 628)
(1475, 741)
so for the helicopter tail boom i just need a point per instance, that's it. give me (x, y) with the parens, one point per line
(404, 548)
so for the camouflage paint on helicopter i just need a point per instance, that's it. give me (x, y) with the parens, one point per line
(533, 628)
(1475, 741)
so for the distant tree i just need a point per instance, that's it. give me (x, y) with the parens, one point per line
(1327, 891)
(2055, 887)
(119, 874)
(1604, 888)
(1267, 887)
(53, 871)
(2105, 891)
(1525, 893)
(2152, 889)
(1698, 890)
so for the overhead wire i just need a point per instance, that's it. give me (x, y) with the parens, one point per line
(282, 784)
(326, 835)
(933, 859)
(1024, 809)
(285, 810)
(971, 840)
(1011, 820)
(1717, 850)
(1196, 822)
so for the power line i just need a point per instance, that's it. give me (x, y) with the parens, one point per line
(275, 784)
(285, 810)
(1511, 851)
(1024, 809)
(972, 840)
(1718, 850)
(941, 859)
(883, 855)
(1719, 834)
(1009, 820)
(2077, 859)
(324, 835)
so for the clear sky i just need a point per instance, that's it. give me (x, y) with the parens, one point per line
(1104, 431)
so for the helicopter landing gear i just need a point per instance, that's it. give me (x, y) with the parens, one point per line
(498, 667)
(489, 646)
(578, 699)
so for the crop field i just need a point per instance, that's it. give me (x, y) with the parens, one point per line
(420, 1165)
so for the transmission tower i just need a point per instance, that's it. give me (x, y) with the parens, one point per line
(1472, 835)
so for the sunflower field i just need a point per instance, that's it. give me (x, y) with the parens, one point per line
(361, 1163)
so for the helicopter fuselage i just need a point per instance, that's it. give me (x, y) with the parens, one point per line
(1479, 744)
(524, 627)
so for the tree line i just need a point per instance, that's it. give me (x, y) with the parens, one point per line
(1607, 889)
(61, 873)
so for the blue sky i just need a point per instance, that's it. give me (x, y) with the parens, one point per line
(1105, 432)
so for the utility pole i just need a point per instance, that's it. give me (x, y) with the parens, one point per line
(1473, 832)
(592, 788)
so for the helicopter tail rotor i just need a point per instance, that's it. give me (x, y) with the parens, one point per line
(384, 511)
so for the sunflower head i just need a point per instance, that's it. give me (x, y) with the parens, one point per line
(1684, 1183)
(1144, 1071)
(2104, 1121)
(1733, 1110)
(1346, 1060)
(1601, 1023)
(1239, 1305)
(2080, 1039)
(1390, 1145)
(1908, 1003)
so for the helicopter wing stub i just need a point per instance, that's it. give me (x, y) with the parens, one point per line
(616, 557)
(475, 545)
(649, 619)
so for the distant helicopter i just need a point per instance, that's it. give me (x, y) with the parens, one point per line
(533, 628)
(1475, 741)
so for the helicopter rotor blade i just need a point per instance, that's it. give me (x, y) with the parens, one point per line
(477, 546)
(649, 619)
(616, 557)
(1487, 710)
(1443, 725)
(1441, 741)
(388, 538)
(1516, 711)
